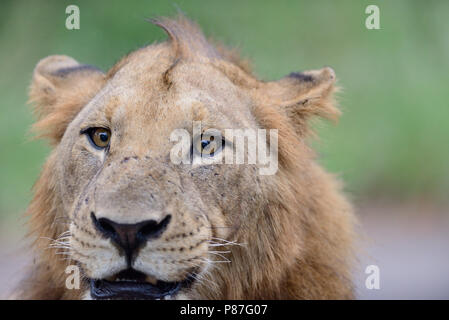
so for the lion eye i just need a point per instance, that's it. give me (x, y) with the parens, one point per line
(207, 145)
(100, 137)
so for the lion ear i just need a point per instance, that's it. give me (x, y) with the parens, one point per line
(59, 89)
(302, 95)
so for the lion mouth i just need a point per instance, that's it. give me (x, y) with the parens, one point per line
(131, 284)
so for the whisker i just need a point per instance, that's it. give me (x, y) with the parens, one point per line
(68, 232)
(60, 242)
(66, 253)
(201, 279)
(220, 255)
(216, 261)
(225, 244)
(63, 238)
(228, 241)
(59, 247)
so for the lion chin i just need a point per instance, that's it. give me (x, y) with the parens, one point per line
(133, 285)
(115, 217)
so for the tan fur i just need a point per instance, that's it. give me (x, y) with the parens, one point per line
(294, 229)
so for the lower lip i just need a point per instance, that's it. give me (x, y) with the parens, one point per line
(128, 290)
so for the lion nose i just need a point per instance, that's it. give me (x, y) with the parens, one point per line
(130, 237)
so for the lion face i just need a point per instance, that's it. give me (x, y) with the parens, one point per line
(135, 214)
(143, 226)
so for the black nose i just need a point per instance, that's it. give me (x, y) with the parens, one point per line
(130, 236)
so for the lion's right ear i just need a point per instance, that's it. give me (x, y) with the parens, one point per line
(60, 88)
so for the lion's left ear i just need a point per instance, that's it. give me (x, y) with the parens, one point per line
(302, 95)
(59, 89)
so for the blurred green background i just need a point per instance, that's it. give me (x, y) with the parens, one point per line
(392, 140)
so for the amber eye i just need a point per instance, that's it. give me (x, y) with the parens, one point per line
(208, 145)
(100, 137)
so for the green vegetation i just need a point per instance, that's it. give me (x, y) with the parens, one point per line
(393, 138)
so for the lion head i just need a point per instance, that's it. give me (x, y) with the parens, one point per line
(112, 201)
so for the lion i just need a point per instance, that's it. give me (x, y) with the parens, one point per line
(111, 202)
